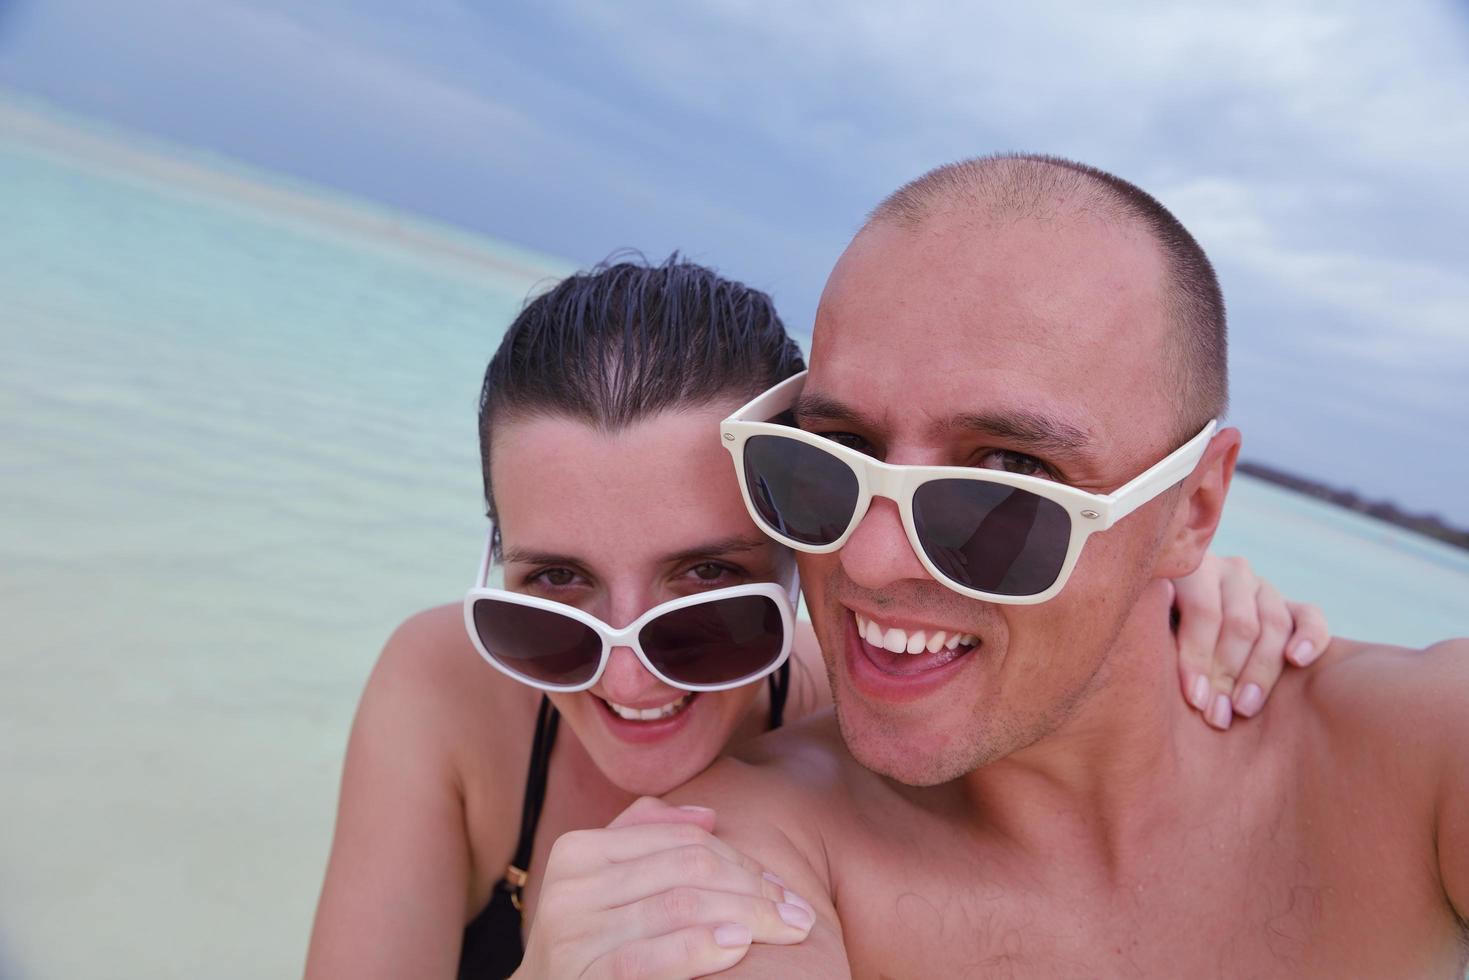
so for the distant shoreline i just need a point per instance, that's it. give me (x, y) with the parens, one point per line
(1428, 525)
(117, 152)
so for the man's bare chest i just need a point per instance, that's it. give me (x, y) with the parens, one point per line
(1261, 904)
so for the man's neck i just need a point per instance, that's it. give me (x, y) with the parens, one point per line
(1125, 762)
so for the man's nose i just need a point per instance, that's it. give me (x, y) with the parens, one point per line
(878, 553)
(626, 680)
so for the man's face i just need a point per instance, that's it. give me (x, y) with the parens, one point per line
(989, 345)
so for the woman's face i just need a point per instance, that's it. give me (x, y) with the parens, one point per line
(614, 525)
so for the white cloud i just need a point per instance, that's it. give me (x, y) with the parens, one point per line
(1388, 309)
(1281, 132)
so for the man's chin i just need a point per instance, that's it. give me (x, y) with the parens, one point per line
(905, 752)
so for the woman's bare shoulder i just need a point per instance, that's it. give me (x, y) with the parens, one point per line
(405, 854)
(432, 684)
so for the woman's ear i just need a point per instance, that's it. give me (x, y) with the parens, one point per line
(1197, 513)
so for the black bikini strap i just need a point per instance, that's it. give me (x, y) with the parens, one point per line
(780, 686)
(518, 872)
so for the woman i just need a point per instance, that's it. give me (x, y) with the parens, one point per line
(612, 496)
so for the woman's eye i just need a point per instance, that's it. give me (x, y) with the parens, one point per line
(1013, 462)
(710, 571)
(556, 577)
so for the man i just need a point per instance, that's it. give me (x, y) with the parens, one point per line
(1029, 799)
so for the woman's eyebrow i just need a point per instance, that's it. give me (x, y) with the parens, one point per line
(527, 556)
(732, 545)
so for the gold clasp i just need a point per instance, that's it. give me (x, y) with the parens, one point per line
(516, 878)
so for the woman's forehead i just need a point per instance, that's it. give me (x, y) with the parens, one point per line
(645, 493)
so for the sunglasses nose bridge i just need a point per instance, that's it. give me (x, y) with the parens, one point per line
(884, 480)
(624, 637)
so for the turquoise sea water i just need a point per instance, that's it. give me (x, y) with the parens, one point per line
(236, 448)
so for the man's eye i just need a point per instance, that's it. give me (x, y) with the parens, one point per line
(851, 440)
(1012, 462)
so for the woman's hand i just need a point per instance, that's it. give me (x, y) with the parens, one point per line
(655, 896)
(1235, 633)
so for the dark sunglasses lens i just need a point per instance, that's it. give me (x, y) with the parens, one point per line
(537, 644)
(716, 642)
(800, 491)
(991, 537)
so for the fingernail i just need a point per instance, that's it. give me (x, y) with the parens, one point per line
(696, 809)
(795, 916)
(1304, 654)
(1221, 713)
(798, 901)
(732, 934)
(769, 876)
(1249, 700)
(1198, 695)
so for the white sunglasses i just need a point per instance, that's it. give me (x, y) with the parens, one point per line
(1002, 537)
(710, 641)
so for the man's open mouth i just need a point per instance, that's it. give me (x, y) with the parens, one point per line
(912, 650)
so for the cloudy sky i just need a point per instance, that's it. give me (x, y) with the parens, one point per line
(1317, 149)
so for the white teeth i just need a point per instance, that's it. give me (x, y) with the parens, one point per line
(647, 714)
(873, 634)
(895, 640)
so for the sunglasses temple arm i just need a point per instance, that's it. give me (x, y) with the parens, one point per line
(758, 408)
(484, 562)
(1153, 481)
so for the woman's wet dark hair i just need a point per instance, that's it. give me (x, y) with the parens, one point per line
(626, 340)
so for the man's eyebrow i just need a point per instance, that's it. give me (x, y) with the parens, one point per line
(1032, 431)
(816, 407)
(1045, 435)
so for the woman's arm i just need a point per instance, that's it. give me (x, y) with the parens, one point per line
(655, 895)
(395, 897)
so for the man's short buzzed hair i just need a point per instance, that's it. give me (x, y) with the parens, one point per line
(1028, 185)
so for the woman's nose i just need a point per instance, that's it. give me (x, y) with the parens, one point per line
(626, 681)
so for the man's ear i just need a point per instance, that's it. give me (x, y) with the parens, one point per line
(1198, 509)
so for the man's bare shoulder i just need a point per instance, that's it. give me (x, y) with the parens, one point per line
(1392, 710)
(768, 790)
(1378, 684)
(1399, 715)
(804, 759)
(782, 800)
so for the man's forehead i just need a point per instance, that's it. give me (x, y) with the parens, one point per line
(1043, 272)
(1058, 322)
